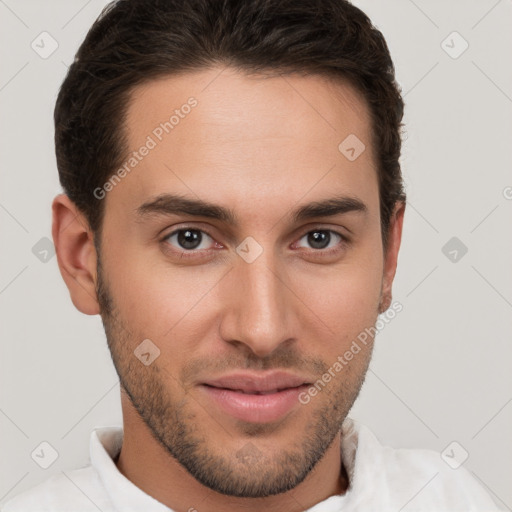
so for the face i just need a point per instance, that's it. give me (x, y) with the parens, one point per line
(249, 301)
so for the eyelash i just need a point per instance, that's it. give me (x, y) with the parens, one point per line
(197, 253)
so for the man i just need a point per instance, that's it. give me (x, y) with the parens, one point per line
(233, 210)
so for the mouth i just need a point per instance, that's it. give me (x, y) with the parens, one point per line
(255, 398)
(270, 392)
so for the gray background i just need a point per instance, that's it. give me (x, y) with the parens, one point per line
(441, 370)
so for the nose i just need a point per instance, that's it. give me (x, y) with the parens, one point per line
(258, 306)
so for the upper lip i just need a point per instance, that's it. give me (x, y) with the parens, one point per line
(257, 382)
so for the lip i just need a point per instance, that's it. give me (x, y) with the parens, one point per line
(256, 398)
(254, 382)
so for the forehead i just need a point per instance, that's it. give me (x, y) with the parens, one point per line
(222, 133)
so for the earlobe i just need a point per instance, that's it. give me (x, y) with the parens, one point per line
(391, 255)
(76, 254)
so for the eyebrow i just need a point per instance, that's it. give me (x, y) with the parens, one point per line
(171, 204)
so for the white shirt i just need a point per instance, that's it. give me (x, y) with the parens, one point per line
(381, 479)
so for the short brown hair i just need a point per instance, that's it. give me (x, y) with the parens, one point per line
(134, 41)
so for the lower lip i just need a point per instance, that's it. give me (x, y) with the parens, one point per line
(255, 408)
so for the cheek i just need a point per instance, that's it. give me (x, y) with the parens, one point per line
(154, 298)
(345, 297)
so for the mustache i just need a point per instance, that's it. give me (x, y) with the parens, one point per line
(284, 359)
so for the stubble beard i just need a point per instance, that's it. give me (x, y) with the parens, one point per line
(247, 472)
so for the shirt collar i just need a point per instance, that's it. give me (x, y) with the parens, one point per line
(105, 445)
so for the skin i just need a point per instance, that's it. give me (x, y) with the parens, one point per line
(260, 146)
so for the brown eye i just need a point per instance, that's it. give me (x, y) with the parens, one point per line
(189, 239)
(321, 239)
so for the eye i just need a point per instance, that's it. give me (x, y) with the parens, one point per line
(192, 242)
(188, 239)
(323, 239)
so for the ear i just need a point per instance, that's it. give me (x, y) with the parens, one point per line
(391, 255)
(76, 254)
